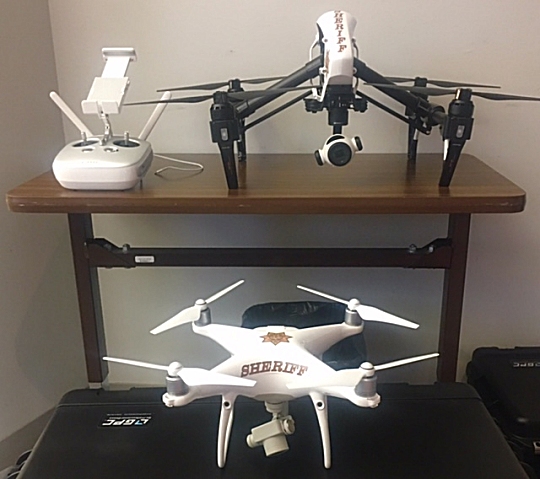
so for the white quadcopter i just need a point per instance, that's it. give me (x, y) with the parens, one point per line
(274, 364)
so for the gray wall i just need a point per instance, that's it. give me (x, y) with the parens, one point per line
(40, 343)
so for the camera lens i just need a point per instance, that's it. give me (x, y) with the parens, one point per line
(339, 154)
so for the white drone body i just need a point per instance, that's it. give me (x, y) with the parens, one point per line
(274, 364)
(335, 32)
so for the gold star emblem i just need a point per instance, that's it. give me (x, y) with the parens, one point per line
(275, 338)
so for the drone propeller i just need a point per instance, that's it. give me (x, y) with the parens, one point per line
(191, 376)
(193, 313)
(351, 377)
(233, 95)
(441, 83)
(432, 91)
(216, 85)
(367, 313)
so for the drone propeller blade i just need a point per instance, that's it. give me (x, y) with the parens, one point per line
(193, 313)
(442, 83)
(188, 315)
(504, 96)
(367, 313)
(191, 376)
(190, 99)
(248, 95)
(430, 91)
(234, 95)
(324, 295)
(203, 377)
(136, 363)
(402, 362)
(445, 91)
(223, 292)
(216, 85)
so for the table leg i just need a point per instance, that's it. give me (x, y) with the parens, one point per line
(86, 276)
(452, 301)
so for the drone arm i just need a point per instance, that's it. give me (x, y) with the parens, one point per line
(277, 110)
(321, 409)
(432, 113)
(318, 339)
(383, 107)
(307, 72)
(225, 425)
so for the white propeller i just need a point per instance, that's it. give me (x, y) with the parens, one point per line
(193, 313)
(351, 377)
(191, 376)
(367, 313)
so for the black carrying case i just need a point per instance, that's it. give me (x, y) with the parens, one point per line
(508, 381)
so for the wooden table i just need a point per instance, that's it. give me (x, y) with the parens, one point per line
(281, 184)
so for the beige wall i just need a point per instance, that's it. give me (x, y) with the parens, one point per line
(182, 42)
(40, 344)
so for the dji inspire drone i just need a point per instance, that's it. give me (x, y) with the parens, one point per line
(339, 70)
(275, 364)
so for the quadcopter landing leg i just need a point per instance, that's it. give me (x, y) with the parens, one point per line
(229, 165)
(225, 424)
(319, 401)
(456, 131)
(450, 162)
(241, 144)
(413, 143)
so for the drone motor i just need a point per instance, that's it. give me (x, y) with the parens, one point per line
(338, 150)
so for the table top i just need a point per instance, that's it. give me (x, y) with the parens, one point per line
(290, 184)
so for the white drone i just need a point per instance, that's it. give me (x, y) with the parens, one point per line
(274, 364)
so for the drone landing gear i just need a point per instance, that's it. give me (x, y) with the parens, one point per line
(321, 409)
(225, 131)
(271, 435)
(457, 130)
(225, 425)
(412, 145)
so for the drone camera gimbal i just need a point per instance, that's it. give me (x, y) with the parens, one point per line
(272, 435)
(338, 150)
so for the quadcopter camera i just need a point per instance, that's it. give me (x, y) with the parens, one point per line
(271, 435)
(338, 150)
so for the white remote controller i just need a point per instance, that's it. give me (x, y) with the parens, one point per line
(106, 162)
(90, 165)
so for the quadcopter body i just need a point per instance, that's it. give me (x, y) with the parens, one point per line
(274, 365)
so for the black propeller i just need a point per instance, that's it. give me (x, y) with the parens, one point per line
(440, 83)
(216, 85)
(432, 91)
(236, 95)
